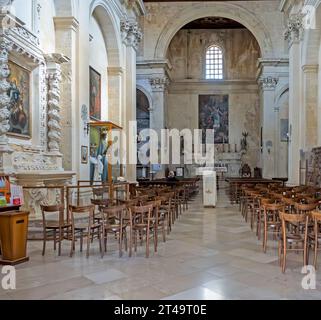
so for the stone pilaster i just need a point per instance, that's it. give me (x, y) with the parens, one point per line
(309, 123)
(294, 35)
(268, 84)
(159, 85)
(131, 36)
(115, 79)
(67, 29)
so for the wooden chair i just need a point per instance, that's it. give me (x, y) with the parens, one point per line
(85, 227)
(141, 221)
(305, 208)
(167, 208)
(58, 225)
(260, 213)
(292, 236)
(314, 236)
(163, 215)
(272, 221)
(114, 222)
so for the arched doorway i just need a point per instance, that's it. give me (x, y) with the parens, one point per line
(214, 86)
(143, 122)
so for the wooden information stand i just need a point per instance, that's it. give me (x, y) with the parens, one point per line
(13, 236)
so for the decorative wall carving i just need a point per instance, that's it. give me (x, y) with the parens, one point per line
(23, 161)
(36, 197)
(131, 33)
(54, 119)
(159, 83)
(5, 47)
(268, 83)
(294, 30)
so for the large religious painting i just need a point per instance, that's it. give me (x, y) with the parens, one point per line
(214, 114)
(19, 107)
(95, 94)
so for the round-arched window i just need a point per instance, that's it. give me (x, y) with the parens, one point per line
(214, 63)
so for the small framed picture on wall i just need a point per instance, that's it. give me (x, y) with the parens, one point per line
(180, 172)
(84, 154)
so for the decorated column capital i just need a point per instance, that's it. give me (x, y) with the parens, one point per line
(294, 30)
(159, 83)
(268, 83)
(131, 33)
(53, 81)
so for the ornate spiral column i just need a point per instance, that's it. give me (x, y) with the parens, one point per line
(5, 150)
(54, 79)
(5, 47)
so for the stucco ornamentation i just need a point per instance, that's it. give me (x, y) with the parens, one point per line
(294, 30)
(54, 118)
(5, 47)
(131, 33)
(268, 83)
(160, 83)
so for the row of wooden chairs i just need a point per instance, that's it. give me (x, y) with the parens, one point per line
(149, 212)
(290, 215)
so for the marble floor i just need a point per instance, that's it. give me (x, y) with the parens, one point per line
(210, 254)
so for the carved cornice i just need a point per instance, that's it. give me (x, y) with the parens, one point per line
(159, 83)
(268, 83)
(131, 33)
(310, 68)
(66, 23)
(56, 58)
(115, 71)
(23, 41)
(137, 6)
(294, 30)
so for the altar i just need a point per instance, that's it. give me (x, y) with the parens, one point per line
(229, 163)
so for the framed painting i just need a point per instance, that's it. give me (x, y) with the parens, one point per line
(180, 172)
(214, 114)
(19, 105)
(84, 154)
(95, 94)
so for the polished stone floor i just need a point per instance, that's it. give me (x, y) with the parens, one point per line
(210, 254)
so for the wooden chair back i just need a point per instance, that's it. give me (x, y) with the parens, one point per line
(84, 212)
(59, 209)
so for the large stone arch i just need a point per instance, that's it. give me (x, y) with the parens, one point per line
(225, 10)
(110, 28)
(146, 93)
